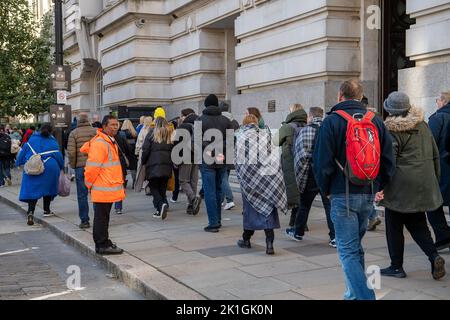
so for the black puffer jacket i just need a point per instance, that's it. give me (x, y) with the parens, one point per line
(132, 144)
(157, 158)
(212, 118)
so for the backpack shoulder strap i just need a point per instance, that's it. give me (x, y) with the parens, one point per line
(369, 116)
(31, 148)
(345, 115)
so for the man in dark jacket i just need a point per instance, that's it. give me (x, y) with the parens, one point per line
(188, 172)
(439, 124)
(77, 160)
(5, 157)
(350, 223)
(214, 169)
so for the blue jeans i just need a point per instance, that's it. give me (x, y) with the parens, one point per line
(5, 170)
(212, 185)
(82, 195)
(374, 214)
(350, 229)
(227, 193)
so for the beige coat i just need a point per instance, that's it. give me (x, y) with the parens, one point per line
(77, 138)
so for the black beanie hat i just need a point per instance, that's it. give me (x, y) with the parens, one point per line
(211, 100)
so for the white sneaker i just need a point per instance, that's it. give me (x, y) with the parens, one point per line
(164, 211)
(229, 206)
(48, 214)
(173, 201)
(157, 215)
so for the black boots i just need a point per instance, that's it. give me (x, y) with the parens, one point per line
(269, 247)
(30, 218)
(244, 244)
(438, 268)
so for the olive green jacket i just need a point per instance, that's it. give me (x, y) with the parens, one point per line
(415, 185)
(285, 139)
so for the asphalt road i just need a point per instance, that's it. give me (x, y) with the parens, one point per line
(35, 264)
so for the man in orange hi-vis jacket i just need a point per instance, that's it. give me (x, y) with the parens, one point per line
(103, 177)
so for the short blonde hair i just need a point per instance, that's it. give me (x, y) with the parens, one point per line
(142, 119)
(148, 121)
(295, 107)
(445, 97)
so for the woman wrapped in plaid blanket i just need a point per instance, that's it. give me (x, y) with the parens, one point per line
(261, 180)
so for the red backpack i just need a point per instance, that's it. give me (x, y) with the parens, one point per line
(362, 149)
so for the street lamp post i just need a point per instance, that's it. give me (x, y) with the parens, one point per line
(59, 53)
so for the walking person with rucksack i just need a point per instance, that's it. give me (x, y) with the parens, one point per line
(353, 148)
(303, 151)
(5, 158)
(43, 163)
(285, 137)
(414, 188)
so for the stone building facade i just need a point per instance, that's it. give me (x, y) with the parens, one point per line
(260, 53)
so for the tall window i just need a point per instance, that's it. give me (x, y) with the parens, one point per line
(99, 89)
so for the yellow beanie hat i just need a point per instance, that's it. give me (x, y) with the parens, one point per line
(159, 112)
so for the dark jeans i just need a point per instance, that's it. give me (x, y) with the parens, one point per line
(176, 190)
(212, 185)
(306, 201)
(5, 170)
(226, 189)
(158, 187)
(270, 235)
(439, 224)
(82, 195)
(32, 204)
(101, 224)
(416, 223)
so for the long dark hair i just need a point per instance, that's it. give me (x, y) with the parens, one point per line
(46, 130)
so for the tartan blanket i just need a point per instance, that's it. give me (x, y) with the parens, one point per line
(258, 169)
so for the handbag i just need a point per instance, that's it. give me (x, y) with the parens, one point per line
(171, 183)
(63, 185)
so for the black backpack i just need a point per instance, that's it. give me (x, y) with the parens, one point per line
(5, 145)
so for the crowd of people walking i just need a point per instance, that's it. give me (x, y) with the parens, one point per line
(351, 157)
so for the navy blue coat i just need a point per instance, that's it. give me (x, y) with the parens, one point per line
(330, 145)
(46, 184)
(439, 124)
(253, 220)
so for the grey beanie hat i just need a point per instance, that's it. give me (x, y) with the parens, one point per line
(397, 103)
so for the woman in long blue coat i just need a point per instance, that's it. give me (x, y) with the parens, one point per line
(44, 185)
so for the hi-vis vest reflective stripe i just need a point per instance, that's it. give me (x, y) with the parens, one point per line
(107, 188)
(103, 175)
(110, 158)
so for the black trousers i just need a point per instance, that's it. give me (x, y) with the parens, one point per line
(416, 223)
(306, 201)
(439, 224)
(270, 235)
(101, 224)
(158, 187)
(176, 190)
(32, 204)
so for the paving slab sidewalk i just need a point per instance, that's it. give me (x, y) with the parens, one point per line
(176, 259)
